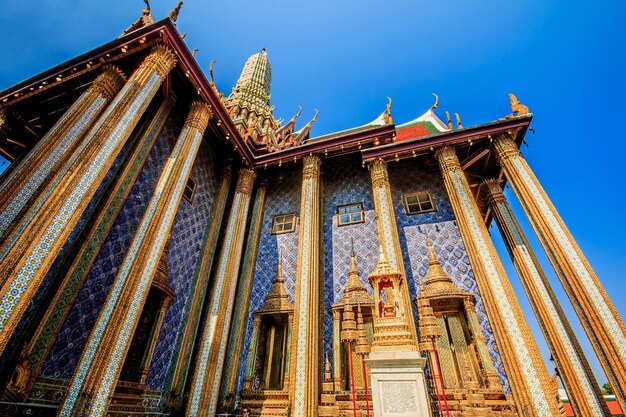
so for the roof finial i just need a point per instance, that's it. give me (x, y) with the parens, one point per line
(174, 13)
(279, 269)
(212, 82)
(450, 126)
(314, 119)
(458, 121)
(516, 107)
(194, 52)
(434, 106)
(387, 113)
(147, 6)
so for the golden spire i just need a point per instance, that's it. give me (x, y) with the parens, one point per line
(382, 266)
(437, 283)
(277, 299)
(327, 374)
(355, 292)
(348, 325)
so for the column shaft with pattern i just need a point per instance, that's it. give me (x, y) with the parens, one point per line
(207, 375)
(101, 362)
(62, 204)
(305, 346)
(526, 371)
(582, 388)
(600, 319)
(242, 304)
(195, 303)
(388, 231)
(47, 330)
(49, 155)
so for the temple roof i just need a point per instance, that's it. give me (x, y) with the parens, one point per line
(355, 292)
(277, 299)
(425, 125)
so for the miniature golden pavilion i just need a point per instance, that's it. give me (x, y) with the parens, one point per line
(166, 250)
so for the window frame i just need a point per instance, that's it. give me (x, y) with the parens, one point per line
(283, 215)
(351, 222)
(419, 204)
(193, 189)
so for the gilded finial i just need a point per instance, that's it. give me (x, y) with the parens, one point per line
(517, 108)
(212, 82)
(279, 269)
(327, 373)
(314, 119)
(183, 36)
(299, 112)
(174, 13)
(193, 53)
(434, 106)
(251, 127)
(352, 247)
(147, 5)
(387, 113)
(450, 126)
(458, 121)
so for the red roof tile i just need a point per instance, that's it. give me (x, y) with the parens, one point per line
(411, 132)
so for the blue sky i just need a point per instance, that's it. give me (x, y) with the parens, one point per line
(565, 60)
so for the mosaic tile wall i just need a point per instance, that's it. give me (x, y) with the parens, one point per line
(186, 236)
(283, 196)
(345, 182)
(184, 252)
(407, 177)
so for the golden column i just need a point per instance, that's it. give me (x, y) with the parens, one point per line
(60, 207)
(43, 339)
(600, 320)
(207, 375)
(176, 383)
(525, 369)
(305, 348)
(96, 375)
(242, 304)
(581, 385)
(56, 147)
(388, 231)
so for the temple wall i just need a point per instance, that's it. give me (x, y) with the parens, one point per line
(283, 196)
(185, 240)
(345, 181)
(408, 177)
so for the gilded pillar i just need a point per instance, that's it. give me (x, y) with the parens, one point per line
(600, 320)
(207, 376)
(388, 231)
(56, 146)
(337, 366)
(193, 309)
(96, 375)
(584, 391)
(305, 347)
(525, 369)
(44, 337)
(58, 209)
(242, 303)
(251, 364)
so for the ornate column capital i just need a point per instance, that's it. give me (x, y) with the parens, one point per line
(109, 82)
(492, 192)
(447, 158)
(245, 181)
(161, 59)
(311, 167)
(505, 147)
(378, 171)
(199, 115)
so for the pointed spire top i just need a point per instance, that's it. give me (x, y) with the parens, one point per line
(279, 269)
(277, 299)
(437, 282)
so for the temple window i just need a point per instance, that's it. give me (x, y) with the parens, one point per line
(350, 214)
(284, 223)
(421, 202)
(190, 189)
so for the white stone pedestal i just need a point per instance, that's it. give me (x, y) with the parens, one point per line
(398, 386)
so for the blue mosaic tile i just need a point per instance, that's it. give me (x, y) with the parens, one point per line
(184, 252)
(345, 182)
(408, 177)
(67, 349)
(283, 196)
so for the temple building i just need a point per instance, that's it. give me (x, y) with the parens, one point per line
(168, 250)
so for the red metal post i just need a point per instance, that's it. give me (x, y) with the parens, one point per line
(443, 389)
(367, 401)
(432, 368)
